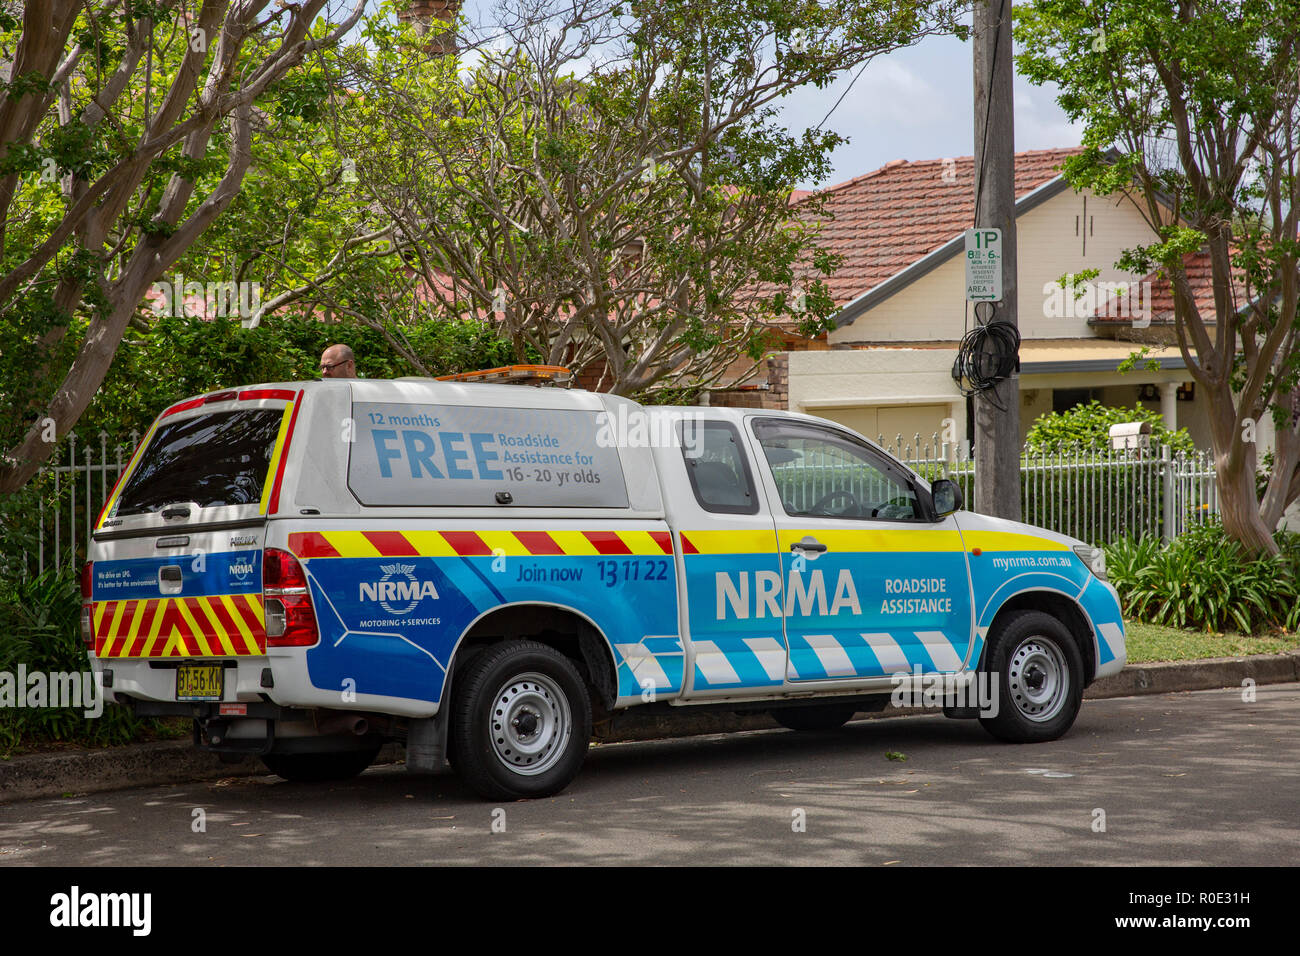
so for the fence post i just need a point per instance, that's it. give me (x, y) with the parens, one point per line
(1167, 482)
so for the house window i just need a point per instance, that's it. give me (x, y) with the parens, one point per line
(1064, 399)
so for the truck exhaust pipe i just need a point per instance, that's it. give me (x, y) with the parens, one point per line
(344, 724)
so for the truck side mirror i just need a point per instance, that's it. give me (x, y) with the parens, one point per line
(947, 496)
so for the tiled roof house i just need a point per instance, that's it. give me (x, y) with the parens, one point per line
(885, 369)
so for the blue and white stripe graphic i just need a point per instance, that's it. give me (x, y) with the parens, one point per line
(762, 662)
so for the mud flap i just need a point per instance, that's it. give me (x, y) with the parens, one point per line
(426, 745)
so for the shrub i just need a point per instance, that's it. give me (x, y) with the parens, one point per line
(1205, 580)
(40, 629)
(1088, 427)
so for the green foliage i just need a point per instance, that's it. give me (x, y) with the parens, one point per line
(19, 516)
(1189, 110)
(1088, 427)
(26, 84)
(40, 629)
(295, 223)
(632, 174)
(177, 357)
(1136, 356)
(1071, 279)
(1206, 581)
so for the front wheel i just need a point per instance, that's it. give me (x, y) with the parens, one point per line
(521, 721)
(1039, 675)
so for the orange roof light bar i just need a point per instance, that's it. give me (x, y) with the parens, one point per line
(514, 375)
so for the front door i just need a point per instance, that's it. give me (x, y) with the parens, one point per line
(873, 584)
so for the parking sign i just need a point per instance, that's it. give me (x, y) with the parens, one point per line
(984, 265)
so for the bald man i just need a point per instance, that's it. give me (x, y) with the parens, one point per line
(337, 361)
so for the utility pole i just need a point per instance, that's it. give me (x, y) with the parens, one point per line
(997, 410)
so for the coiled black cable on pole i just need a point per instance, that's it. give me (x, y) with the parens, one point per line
(987, 355)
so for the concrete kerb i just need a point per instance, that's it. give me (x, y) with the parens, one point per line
(174, 762)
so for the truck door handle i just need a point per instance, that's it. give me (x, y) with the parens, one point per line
(181, 511)
(808, 544)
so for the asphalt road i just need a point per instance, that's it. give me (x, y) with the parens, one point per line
(1202, 779)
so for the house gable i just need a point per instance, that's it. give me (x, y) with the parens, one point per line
(1057, 231)
(899, 231)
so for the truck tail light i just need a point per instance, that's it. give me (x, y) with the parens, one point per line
(87, 577)
(290, 620)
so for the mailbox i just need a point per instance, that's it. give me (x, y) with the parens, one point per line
(1130, 435)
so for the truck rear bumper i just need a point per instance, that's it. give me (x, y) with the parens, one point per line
(260, 728)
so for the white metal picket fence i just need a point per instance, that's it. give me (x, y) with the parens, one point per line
(1097, 496)
(70, 491)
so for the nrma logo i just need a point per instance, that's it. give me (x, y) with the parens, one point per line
(241, 570)
(398, 591)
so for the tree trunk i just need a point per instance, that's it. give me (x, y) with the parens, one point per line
(1282, 483)
(77, 390)
(1239, 507)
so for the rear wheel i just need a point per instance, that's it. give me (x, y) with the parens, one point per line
(340, 765)
(521, 721)
(1039, 674)
(821, 717)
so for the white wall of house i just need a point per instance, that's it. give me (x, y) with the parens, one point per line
(892, 391)
(1069, 233)
(880, 391)
(1049, 243)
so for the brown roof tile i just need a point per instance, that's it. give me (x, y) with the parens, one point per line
(888, 219)
(1158, 295)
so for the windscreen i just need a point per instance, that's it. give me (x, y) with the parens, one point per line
(214, 460)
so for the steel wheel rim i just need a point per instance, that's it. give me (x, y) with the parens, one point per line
(530, 724)
(1038, 679)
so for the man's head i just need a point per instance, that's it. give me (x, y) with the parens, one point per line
(337, 361)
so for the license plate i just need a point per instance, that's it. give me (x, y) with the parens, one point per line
(200, 681)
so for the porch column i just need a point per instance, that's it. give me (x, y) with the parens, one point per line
(1169, 404)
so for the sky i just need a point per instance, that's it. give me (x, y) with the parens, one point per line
(918, 103)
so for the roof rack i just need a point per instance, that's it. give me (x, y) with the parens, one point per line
(515, 375)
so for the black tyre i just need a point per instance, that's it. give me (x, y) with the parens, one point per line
(311, 767)
(820, 717)
(520, 722)
(1039, 676)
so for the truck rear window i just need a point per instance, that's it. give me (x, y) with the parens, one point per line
(213, 460)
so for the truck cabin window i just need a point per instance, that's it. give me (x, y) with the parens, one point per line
(717, 467)
(821, 473)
